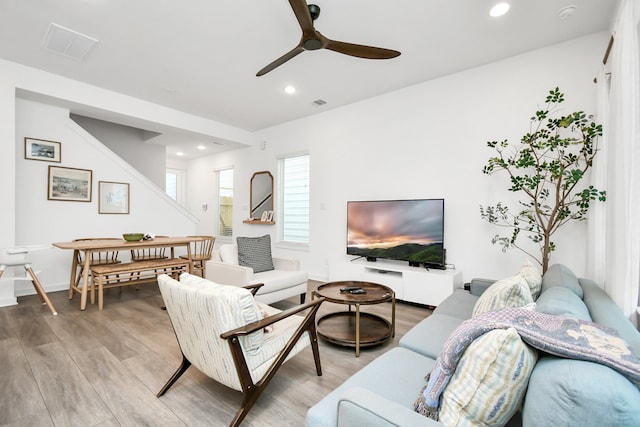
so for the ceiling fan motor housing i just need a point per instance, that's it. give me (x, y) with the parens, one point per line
(312, 44)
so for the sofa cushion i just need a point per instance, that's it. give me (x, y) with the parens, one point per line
(395, 375)
(255, 252)
(533, 278)
(603, 310)
(561, 275)
(477, 286)
(490, 380)
(569, 393)
(430, 334)
(561, 301)
(229, 253)
(459, 304)
(510, 292)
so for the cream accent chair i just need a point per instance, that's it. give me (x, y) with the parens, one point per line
(285, 281)
(221, 331)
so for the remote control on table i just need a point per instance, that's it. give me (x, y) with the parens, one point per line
(349, 289)
(358, 291)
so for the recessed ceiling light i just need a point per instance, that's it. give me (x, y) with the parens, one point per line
(290, 90)
(499, 9)
(201, 147)
(179, 153)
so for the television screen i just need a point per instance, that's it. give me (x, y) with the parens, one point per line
(406, 230)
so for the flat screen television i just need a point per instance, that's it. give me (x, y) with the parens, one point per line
(405, 230)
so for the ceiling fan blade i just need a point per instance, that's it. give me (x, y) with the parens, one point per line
(361, 51)
(301, 10)
(278, 62)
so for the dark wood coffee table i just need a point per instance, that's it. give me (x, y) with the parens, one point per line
(356, 329)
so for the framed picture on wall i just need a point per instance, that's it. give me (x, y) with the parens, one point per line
(113, 197)
(69, 184)
(41, 149)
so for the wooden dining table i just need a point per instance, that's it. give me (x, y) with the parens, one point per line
(90, 246)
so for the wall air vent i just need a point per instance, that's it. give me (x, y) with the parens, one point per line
(67, 42)
(319, 102)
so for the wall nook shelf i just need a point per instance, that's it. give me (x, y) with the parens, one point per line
(257, 221)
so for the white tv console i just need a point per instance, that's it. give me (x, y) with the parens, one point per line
(412, 284)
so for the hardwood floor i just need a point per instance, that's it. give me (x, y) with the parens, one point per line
(103, 368)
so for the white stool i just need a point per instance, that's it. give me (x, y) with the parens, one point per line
(16, 257)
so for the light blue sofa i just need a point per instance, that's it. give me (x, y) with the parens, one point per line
(561, 392)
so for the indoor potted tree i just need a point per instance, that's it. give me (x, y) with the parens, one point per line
(545, 168)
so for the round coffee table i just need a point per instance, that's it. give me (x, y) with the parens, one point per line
(356, 329)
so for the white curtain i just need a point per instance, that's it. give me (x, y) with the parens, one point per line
(615, 227)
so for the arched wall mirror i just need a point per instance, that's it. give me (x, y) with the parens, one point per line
(261, 193)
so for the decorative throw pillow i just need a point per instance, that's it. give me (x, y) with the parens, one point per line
(229, 254)
(490, 380)
(533, 278)
(510, 292)
(255, 252)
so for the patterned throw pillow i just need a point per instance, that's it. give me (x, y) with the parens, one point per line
(533, 277)
(255, 252)
(490, 380)
(510, 292)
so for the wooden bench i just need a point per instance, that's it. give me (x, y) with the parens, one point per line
(134, 273)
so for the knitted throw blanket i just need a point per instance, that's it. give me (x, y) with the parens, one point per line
(556, 335)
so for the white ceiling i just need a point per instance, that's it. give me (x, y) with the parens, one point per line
(201, 56)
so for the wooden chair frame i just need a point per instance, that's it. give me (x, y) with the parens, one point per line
(97, 258)
(251, 391)
(201, 253)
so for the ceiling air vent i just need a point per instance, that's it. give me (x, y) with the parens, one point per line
(319, 102)
(67, 42)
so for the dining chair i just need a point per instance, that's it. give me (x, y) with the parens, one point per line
(96, 258)
(17, 257)
(200, 253)
(221, 331)
(146, 254)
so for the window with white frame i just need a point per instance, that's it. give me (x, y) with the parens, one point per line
(172, 184)
(225, 202)
(293, 200)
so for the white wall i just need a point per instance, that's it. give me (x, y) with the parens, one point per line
(42, 221)
(130, 144)
(427, 140)
(62, 221)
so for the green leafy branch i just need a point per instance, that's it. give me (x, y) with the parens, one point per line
(546, 167)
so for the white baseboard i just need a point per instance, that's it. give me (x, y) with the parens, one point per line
(23, 288)
(6, 302)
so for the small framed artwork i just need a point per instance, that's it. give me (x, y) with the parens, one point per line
(41, 149)
(265, 216)
(69, 184)
(269, 215)
(113, 197)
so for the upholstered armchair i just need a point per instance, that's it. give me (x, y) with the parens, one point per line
(250, 262)
(222, 331)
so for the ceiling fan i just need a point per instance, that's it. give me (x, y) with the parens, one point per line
(312, 40)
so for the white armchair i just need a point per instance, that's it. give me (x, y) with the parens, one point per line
(284, 281)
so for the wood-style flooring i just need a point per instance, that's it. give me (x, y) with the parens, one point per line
(103, 368)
